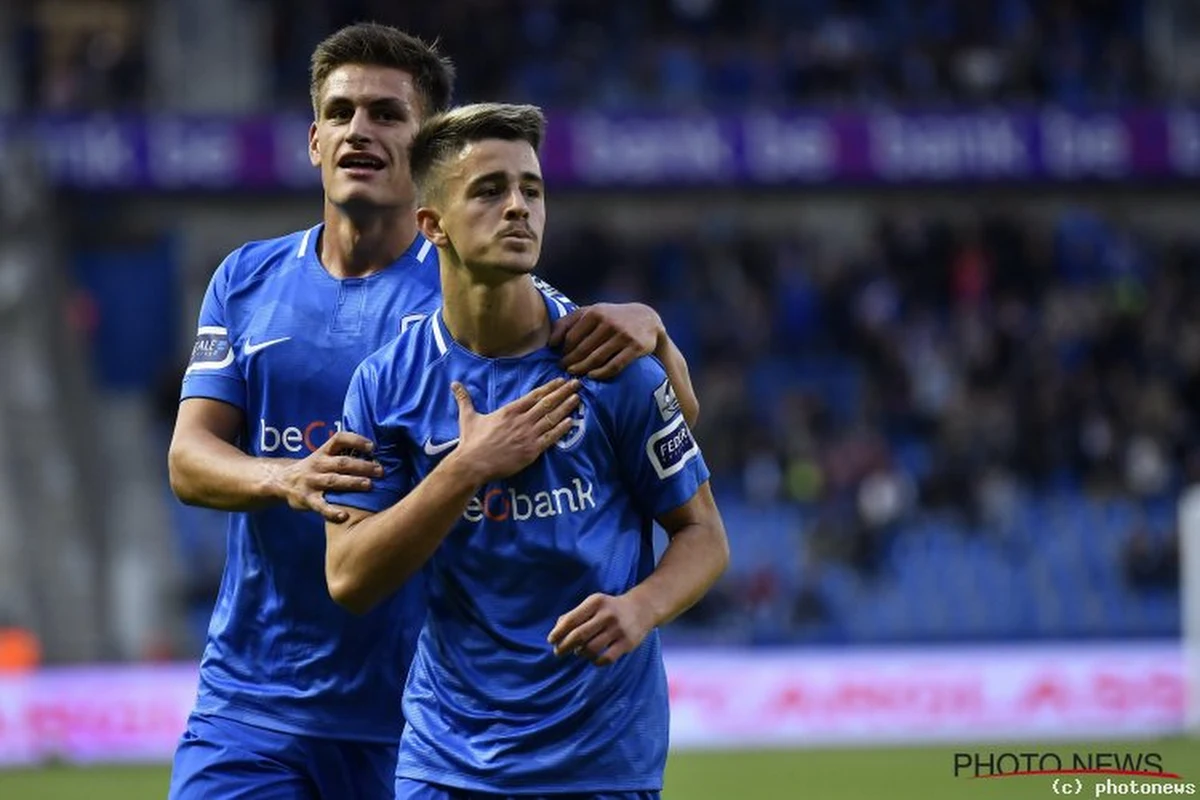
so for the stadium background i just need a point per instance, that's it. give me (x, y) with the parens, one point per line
(935, 266)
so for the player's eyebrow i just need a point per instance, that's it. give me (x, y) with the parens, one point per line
(502, 177)
(377, 101)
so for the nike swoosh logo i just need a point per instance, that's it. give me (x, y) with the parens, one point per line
(432, 449)
(249, 349)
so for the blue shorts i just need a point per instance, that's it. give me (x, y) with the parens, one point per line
(222, 759)
(407, 789)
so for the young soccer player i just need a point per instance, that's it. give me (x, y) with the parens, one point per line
(297, 698)
(526, 497)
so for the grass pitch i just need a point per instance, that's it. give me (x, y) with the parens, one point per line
(916, 773)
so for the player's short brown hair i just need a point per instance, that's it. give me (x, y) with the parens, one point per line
(371, 44)
(448, 132)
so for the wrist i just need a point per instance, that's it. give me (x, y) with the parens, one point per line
(464, 471)
(646, 607)
(274, 484)
(661, 339)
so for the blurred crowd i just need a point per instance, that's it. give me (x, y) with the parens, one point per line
(657, 54)
(966, 354)
(710, 53)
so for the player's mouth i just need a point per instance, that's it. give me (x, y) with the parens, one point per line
(360, 164)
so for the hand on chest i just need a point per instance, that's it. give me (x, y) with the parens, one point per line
(437, 434)
(560, 481)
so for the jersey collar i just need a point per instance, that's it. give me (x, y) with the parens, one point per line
(444, 341)
(418, 251)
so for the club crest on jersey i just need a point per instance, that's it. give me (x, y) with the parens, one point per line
(578, 426)
(665, 399)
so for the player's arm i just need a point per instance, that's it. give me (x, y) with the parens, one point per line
(605, 627)
(602, 340)
(207, 469)
(681, 378)
(371, 554)
(696, 556)
(206, 466)
(663, 468)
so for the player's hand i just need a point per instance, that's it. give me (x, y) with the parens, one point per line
(335, 466)
(509, 439)
(601, 629)
(601, 340)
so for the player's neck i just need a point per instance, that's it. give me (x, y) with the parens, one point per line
(353, 248)
(495, 320)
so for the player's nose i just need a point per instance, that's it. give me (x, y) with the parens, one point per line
(359, 129)
(517, 207)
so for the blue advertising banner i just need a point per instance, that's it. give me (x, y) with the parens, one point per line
(163, 153)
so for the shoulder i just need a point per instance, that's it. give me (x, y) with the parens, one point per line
(646, 372)
(563, 304)
(256, 259)
(642, 382)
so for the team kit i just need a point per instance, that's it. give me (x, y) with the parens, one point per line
(444, 478)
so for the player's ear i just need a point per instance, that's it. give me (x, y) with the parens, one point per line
(314, 151)
(429, 222)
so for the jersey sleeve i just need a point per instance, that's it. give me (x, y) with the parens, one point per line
(659, 457)
(213, 370)
(360, 414)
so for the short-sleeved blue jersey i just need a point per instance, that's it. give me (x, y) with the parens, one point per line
(279, 338)
(489, 707)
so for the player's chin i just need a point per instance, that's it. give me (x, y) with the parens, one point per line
(508, 267)
(365, 194)
(519, 263)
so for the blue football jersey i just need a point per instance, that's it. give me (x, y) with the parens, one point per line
(279, 338)
(489, 706)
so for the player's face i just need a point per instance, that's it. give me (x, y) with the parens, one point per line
(494, 207)
(366, 118)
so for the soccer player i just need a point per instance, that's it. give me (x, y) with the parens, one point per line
(526, 498)
(298, 698)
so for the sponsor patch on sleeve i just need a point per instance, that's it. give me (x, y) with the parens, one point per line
(211, 350)
(665, 399)
(670, 448)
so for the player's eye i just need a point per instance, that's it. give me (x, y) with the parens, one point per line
(533, 192)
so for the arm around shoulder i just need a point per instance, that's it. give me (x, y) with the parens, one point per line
(681, 380)
(602, 340)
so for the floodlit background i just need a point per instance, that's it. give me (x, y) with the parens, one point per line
(935, 265)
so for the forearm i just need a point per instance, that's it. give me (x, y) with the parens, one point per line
(691, 564)
(207, 471)
(371, 558)
(677, 371)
